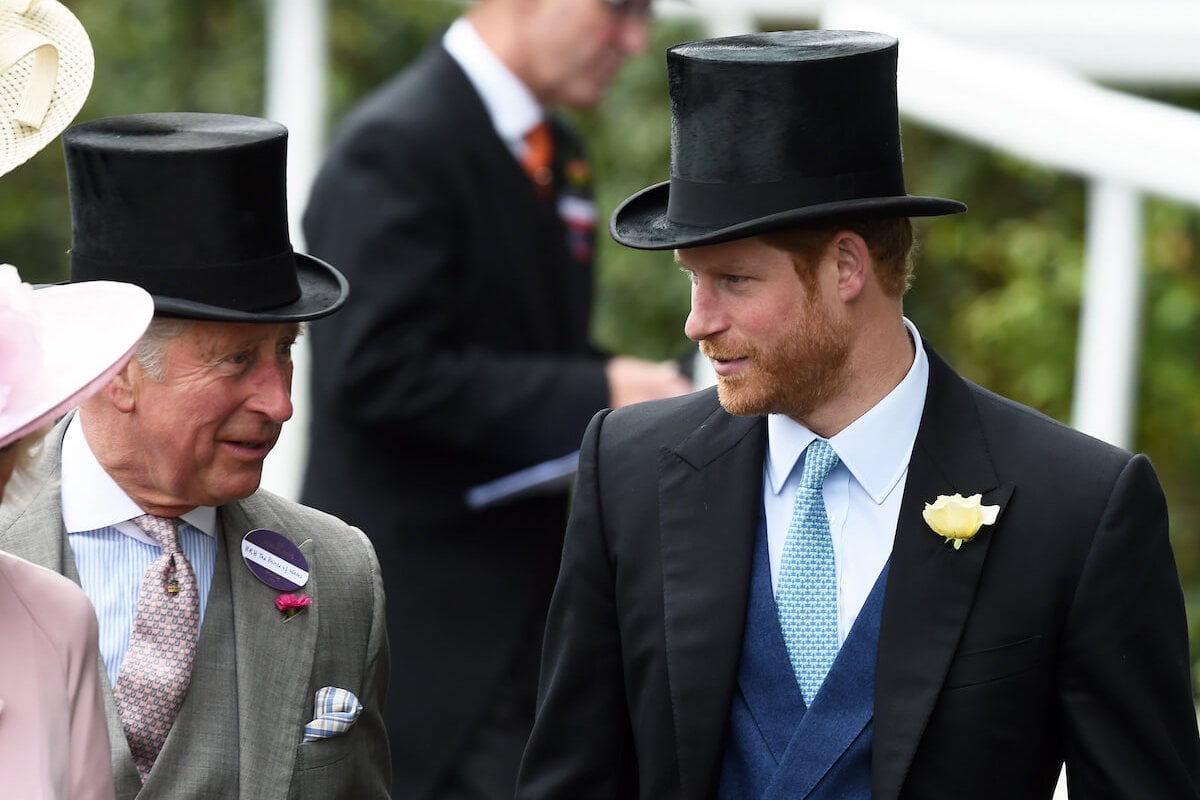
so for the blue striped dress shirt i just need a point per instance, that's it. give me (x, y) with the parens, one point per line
(112, 554)
(111, 564)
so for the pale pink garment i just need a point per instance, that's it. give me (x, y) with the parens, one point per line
(53, 739)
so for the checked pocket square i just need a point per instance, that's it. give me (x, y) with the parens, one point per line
(336, 711)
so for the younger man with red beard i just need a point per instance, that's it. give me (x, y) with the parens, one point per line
(846, 572)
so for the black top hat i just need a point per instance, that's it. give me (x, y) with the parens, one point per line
(193, 208)
(770, 130)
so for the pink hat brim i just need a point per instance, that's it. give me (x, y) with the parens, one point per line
(89, 331)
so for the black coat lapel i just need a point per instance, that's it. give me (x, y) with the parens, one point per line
(710, 493)
(525, 238)
(574, 219)
(931, 585)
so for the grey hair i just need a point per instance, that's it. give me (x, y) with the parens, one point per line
(151, 350)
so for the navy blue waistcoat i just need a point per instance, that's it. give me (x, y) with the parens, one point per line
(778, 748)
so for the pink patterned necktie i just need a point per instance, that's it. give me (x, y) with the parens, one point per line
(158, 666)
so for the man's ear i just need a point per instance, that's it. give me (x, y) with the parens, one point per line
(121, 391)
(853, 259)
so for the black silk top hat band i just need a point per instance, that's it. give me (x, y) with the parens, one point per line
(193, 208)
(773, 130)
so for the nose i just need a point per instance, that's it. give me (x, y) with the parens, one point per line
(272, 390)
(705, 318)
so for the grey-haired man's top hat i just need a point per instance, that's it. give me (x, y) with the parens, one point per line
(772, 130)
(193, 208)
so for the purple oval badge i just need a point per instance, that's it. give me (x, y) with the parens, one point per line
(274, 560)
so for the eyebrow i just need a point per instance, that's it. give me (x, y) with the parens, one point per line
(214, 352)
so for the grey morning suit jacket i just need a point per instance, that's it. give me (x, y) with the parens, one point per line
(239, 732)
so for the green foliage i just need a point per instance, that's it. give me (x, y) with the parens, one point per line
(997, 288)
(370, 40)
(185, 56)
(642, 298)
(1169, 411)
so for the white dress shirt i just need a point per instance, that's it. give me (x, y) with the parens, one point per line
(112, 553)
(513, 108)
(862, 493)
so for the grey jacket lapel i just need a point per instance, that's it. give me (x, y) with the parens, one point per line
(710, 493)
(931, 585)
(125, 774)
(274, 658)
(36, 534)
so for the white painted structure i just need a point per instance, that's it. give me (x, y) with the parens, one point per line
(297, 57)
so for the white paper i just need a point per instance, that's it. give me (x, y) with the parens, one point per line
(548, 476)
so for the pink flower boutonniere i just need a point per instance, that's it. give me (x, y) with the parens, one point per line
(292, 604)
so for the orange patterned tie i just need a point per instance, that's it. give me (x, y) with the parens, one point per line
(158, 666)
(539, 158)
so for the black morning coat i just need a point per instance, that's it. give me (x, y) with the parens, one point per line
(1057, 633)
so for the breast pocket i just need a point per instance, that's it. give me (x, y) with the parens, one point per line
(996, 663)
(324, 753)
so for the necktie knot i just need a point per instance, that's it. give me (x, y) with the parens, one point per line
(539, 156)
(165, 530)
(819, 460)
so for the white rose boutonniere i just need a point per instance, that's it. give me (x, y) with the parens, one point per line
(957, 519)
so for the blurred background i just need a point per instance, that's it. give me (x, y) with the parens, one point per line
(1069, 127)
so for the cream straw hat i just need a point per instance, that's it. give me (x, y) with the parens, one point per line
(63, 343)
(58, 344)
(46, 66)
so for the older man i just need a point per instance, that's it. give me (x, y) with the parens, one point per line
(846, 572)
(243, 636)
(459, 204)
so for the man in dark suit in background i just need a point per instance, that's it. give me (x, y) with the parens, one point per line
(846, 572)
(463, 355)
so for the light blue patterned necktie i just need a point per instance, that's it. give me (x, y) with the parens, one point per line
(806, 594)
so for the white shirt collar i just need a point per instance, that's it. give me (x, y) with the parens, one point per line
(92, 500)
(875, 447)
(513, 108)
